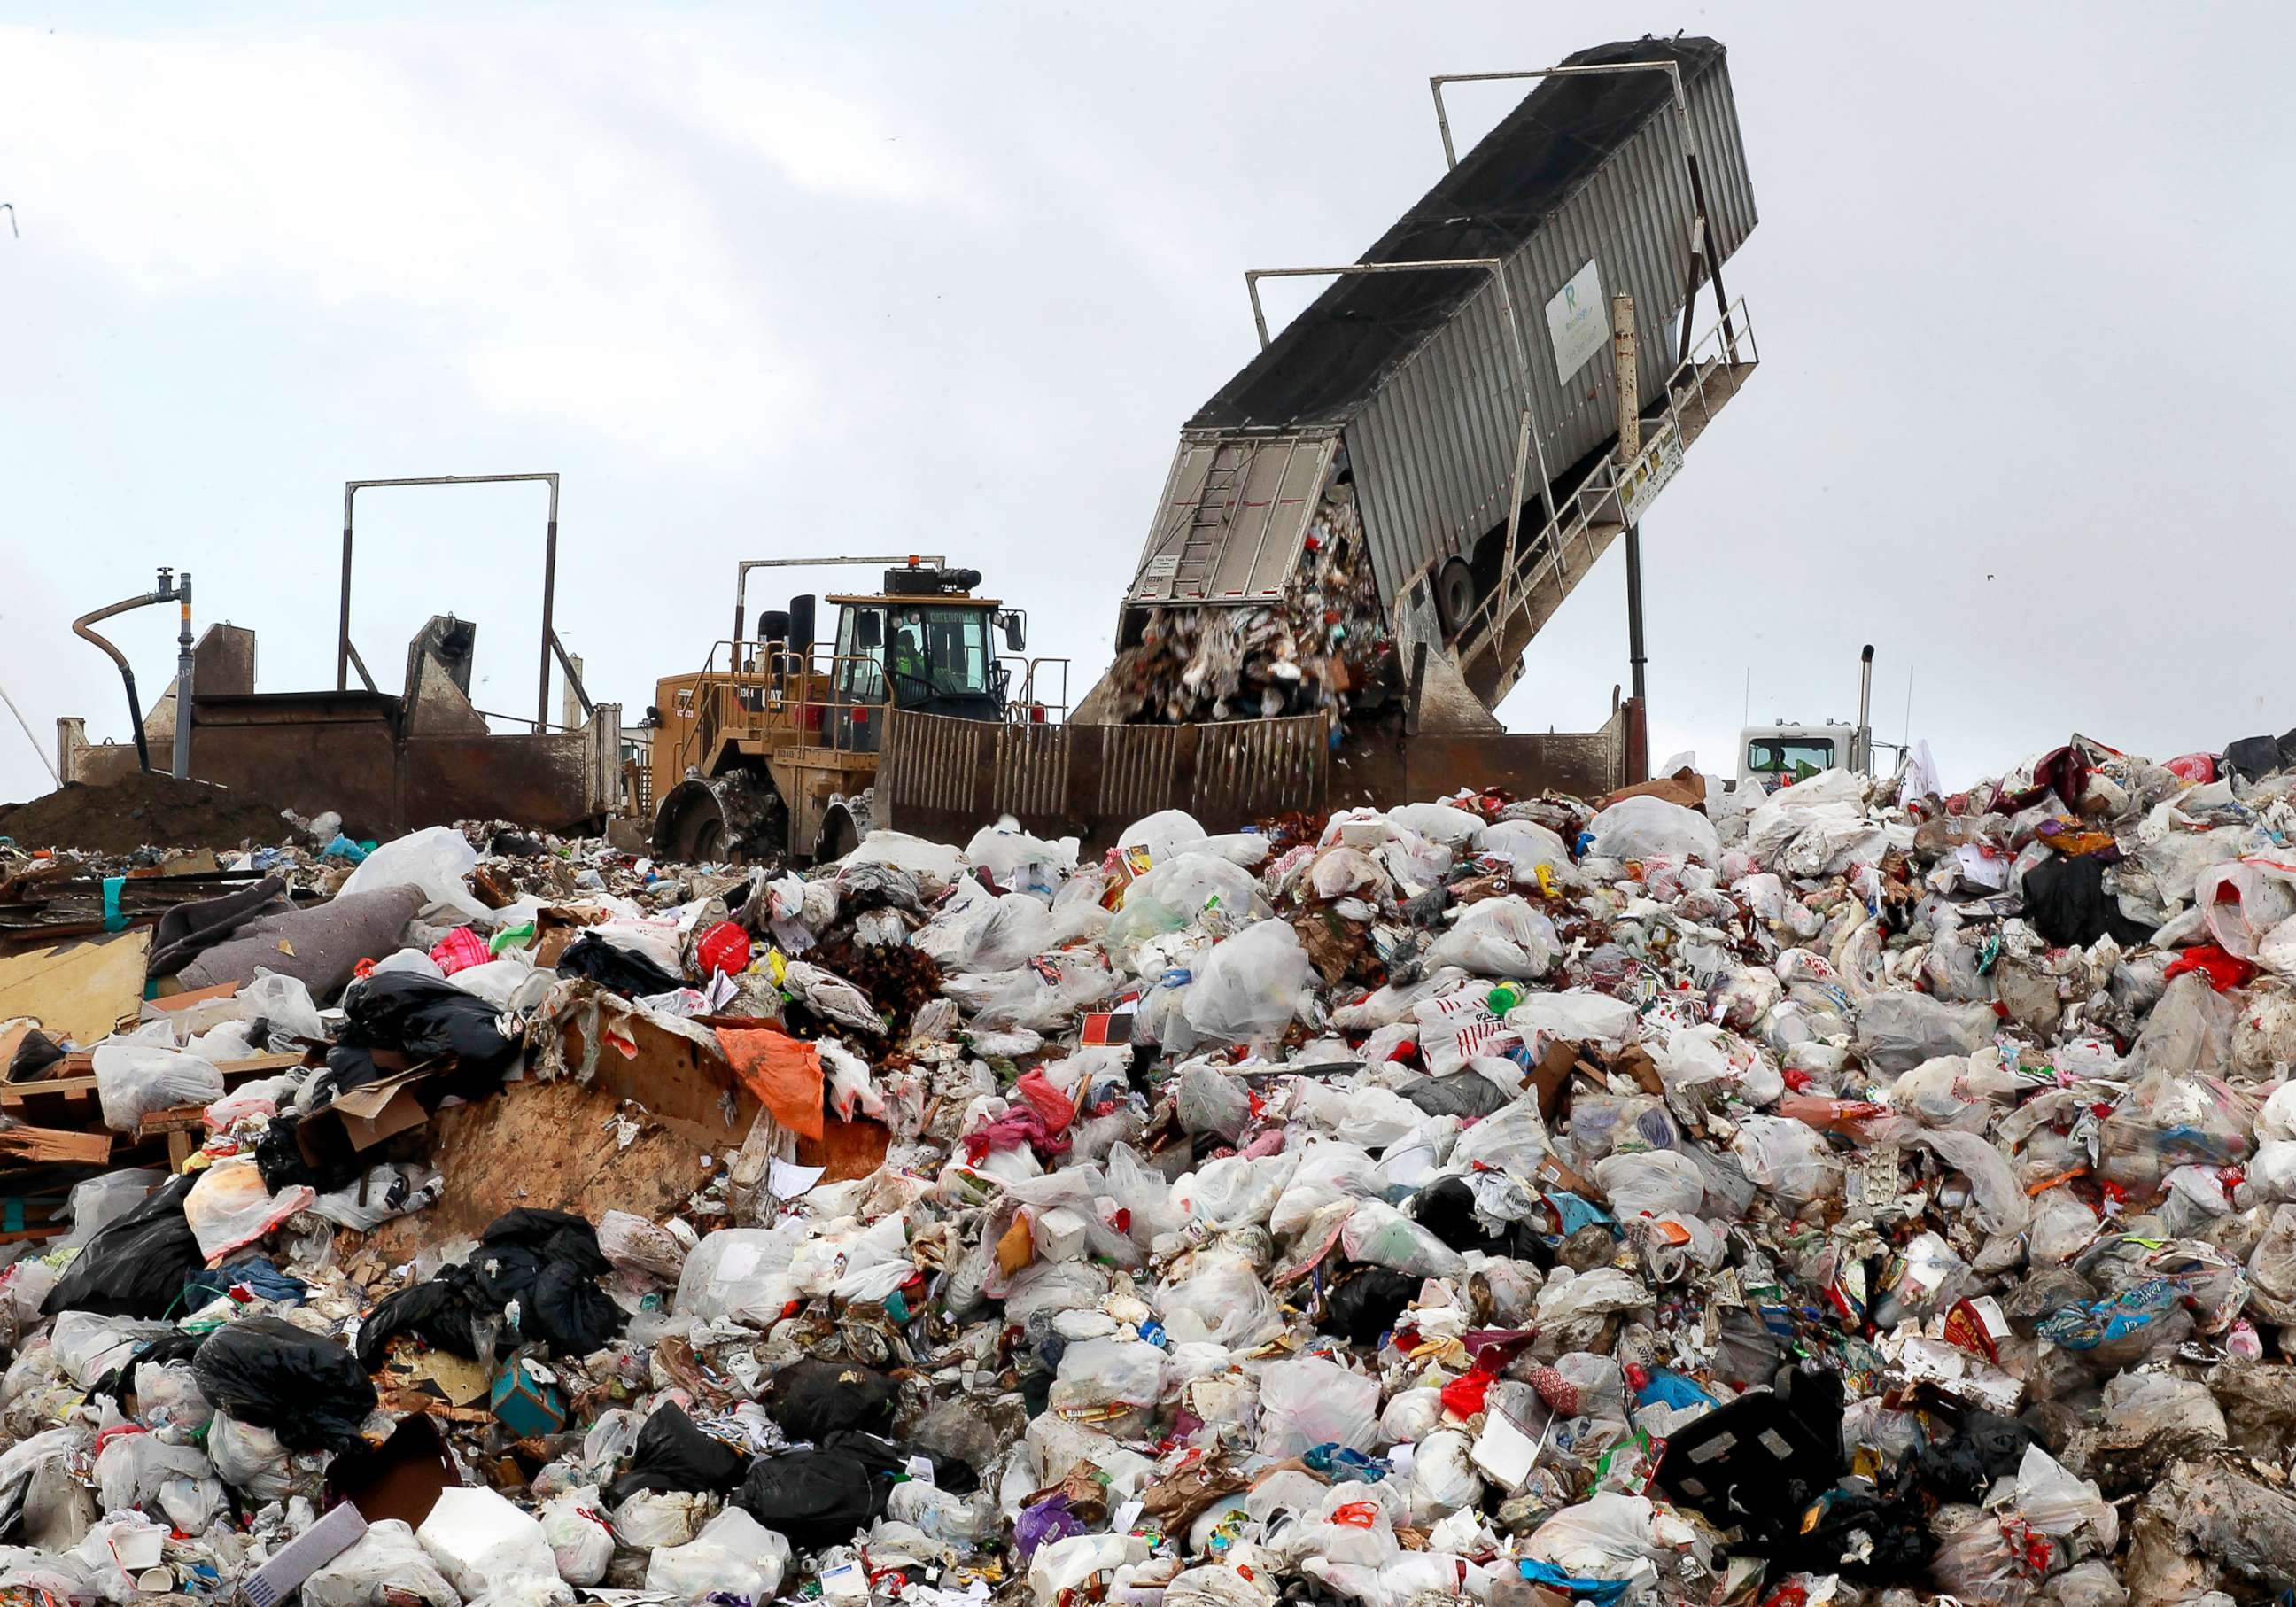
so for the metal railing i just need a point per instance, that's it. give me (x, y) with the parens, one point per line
(761, 686)
(1699, 385)
(834, 701)
(1030, 698)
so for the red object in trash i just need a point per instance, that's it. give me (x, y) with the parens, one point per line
(724, 947)
(1462, 1396)
(2199, 768)
(2223, 968)
(459, 950)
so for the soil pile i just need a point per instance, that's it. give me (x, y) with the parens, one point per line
(140, 810)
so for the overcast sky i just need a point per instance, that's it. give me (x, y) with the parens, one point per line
(766, 281)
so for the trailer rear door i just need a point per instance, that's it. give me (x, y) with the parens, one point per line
(1233, 517)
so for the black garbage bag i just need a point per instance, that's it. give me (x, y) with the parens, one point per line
(673, 1454)
(549, 1262)
(450, 1312)
(1880, 1537)
(2066, 901)
(812, 1399)
(134, 1264)
(816, 1498)
(426, 1019)
(1963, 1468)
(1365, 1301)
(1447, 1208)
(310, 1391)
(615, 969)
(2253, 756)
(569, 1312)
(280, 1158)
(35, 1052)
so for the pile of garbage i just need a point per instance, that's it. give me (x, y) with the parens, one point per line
(1823, 1196)
(1322, 645)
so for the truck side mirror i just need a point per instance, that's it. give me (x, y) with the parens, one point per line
(869, 631)
(1016, 630)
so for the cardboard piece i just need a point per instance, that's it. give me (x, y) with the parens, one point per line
(365, 1116)
(401, 1477)
(1685, 787)
(76, 990)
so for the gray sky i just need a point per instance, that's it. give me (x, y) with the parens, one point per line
(765, 281)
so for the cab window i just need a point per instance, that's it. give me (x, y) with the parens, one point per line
(860, 670)
(1799, 757)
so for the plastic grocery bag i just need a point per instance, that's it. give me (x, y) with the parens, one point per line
(1527, 843)
(1379, 1234)
(133, 1080)
(1312, 1401)
(1647, 827)
(735, 1555)
(579, 1537)
(1109, 1372)
(1246, 988)
(1164, 834)
(229, 1208)
(1897, 1030)
(1787, 1157)
(1498, 937)
(1650, 1183)
(1222, 1301)
(438, 859)
(738, 1272)
(386, 1557)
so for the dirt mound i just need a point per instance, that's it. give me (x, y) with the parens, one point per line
(142, 810)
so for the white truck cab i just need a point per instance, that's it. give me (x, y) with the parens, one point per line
(1771, 757)
(1775, 756)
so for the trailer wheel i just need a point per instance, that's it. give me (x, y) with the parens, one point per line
(1455, 594)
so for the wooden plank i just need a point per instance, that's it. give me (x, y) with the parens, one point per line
(49, 1144)
(84, 1087)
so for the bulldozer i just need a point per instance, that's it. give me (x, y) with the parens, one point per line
(770, 750)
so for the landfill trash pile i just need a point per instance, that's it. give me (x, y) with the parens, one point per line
(1322, 645)
(1534, 1201)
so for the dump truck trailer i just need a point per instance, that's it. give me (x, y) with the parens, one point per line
(1502, 418)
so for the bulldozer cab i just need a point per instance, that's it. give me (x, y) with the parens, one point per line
(934, 655)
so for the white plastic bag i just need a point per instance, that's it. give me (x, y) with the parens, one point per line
(284, 1003)
(734, 1553)
(738, 1272)
(1650, 1183)
(386, 1557)
(1379, 1234)
(1222, 1301)
(1498, 937)
(1311, 1401)
(1245, 990)
(1647, 828)
(132, 1081)
(438, 859)
(579, 1537)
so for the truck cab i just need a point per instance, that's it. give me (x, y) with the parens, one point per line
(1771, 757)
(931, 651)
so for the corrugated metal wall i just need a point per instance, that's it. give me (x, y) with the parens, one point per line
(1433, 447)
